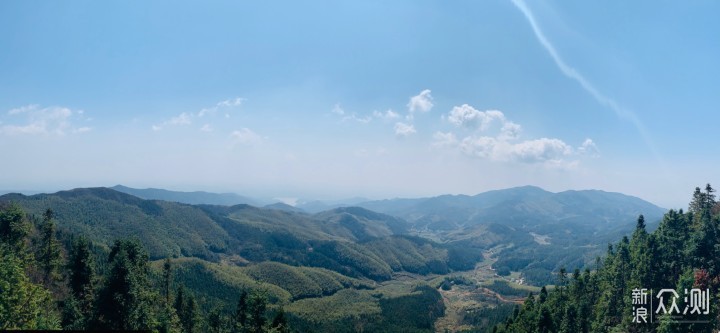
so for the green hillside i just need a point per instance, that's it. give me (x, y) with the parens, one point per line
(680, 255)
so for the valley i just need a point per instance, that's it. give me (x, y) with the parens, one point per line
(454, 255)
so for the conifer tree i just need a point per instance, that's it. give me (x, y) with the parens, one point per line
(49, 256)
(241, 313)
(14, 228)
(78, 307)
(126, 301)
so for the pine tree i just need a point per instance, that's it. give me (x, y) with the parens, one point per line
(49, 256)
(78, 308)
(14, 228)
(167, 279)
(127, 301)
(241, 313)
(23, 304)
(187, 310)
(257, 304)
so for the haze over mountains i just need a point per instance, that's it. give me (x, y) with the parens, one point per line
(531, 230)
(368, 253)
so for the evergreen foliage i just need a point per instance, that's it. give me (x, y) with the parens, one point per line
(681, 254)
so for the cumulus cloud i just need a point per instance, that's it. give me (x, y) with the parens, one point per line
(467, 116)
(496, 138)
(422, 102)
(245, 136)
(36, 120)
(510, 130)
(403, 129)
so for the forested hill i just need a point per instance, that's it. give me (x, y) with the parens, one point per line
(682, 254)
(344, 239)
(289, 267)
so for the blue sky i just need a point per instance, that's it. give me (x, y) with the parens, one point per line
(327, 99)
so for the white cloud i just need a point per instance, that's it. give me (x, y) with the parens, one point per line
(540, 150)
(237, 101)
(403, 129)
(589, 148)
(181, 119)
(467, 116)
(206, 128)
(530, 151)
(229, 103)
(423, 102)
(510, 130)
(54, 120)
(23, 109)
(387, 115)
(245, 136)
(444, 139)
(500, 140)
(362, 120)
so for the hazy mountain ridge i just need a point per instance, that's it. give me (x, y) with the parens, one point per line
(193, 198)
(516, 206)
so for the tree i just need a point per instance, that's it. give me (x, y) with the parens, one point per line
(23, 304)
(14, 228)
(257, 304)
(81, 269)
(187, 310)
(241, 313)
(78, 308)
(49, 256)
(126, 301)
(702, 200)
(167, 279)
(215, 321)
(279, 322)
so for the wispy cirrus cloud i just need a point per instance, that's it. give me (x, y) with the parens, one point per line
(187, 118)
(574, 74)
(229, 103)
(36, 120)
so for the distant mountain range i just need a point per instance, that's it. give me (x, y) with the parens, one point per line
(526, 206)
(193, 198)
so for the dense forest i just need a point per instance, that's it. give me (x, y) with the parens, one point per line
(45, 285)
(77, 266)
(682, 254)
